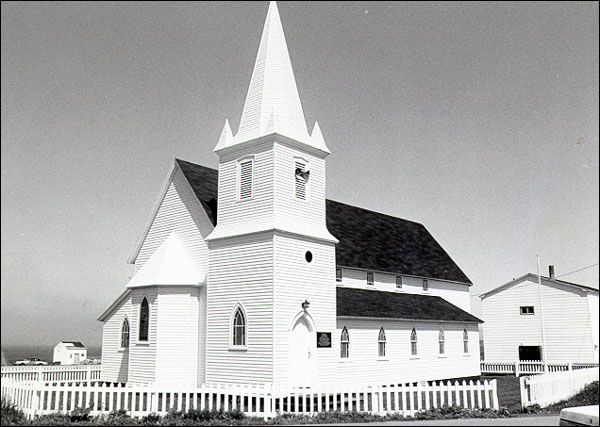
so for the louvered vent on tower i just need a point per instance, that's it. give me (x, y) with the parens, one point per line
(300, 180)
(246, 167)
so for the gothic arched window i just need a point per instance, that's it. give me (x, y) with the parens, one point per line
(125, 333)
(465, 341)
(144, 320)
(381, 343)
(413, 342)
(345, 344)
(238, 330)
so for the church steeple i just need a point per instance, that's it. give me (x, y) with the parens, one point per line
(272, 103)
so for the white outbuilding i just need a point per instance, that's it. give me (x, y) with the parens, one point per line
(69, 353)
(249, 274)
(529, 312)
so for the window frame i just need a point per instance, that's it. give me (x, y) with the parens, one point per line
(141, 340)
(233, 327)
(527, 312)
(381, 344)
(304, 163)
(414, 343)
(121, 341)
(345, 343)
(466, 341)
(240, 162)
(441, 342)
(399, 281)
(372, 281)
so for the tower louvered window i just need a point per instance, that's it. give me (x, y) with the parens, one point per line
(300, 177)
(245, 183)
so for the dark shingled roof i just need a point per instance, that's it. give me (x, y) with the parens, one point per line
(205, 183)
(371, 240)
(75, 343)
(395, 305)
(367, 240)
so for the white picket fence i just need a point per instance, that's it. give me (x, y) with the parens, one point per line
(52, 373)
(40, 397)
(529, 367)
(551, 388)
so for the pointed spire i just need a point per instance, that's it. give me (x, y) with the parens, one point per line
(168, 265)
(226, 138)
(317, 138)
(272, 95)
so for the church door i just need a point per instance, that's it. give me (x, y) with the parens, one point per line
(302, 354)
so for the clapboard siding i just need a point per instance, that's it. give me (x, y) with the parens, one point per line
(454, 293)
(177, 335)
(297, 280)
(202, 313)
(179, 211)
(365, 366)
(142, 355)
(243, 216)
(303, 216)
(593, 305)
(115, 362)
(567, 322)
(241, 271)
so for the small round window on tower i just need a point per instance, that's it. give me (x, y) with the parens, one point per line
(308, 256)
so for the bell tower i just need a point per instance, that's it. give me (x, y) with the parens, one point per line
(270, 254)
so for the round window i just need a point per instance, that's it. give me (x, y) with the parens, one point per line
(308, 256)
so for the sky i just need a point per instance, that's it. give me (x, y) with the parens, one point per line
(478, 120)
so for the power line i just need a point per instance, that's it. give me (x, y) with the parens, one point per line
(576, 271)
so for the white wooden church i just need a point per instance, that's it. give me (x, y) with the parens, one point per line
(249, 274)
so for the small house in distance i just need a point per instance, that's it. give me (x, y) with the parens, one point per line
(513, 320)
(69, 353)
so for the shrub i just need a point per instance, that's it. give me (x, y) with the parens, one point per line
(590, 395)
(80, 414)
(10, 414)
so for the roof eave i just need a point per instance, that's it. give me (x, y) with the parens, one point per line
(406, 319)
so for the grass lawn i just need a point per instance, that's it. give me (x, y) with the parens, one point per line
(509, 393)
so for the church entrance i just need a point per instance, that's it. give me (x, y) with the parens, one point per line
(302, 354)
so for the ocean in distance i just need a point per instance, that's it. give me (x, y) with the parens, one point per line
(43, 352)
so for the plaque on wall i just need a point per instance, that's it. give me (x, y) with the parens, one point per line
(323, 339)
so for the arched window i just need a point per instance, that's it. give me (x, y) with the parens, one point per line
(381, 343)
(239, 328)
(345, 344)
(442, 341)
(125, 334)
(413, 342)
(144, 320)
(465, 341)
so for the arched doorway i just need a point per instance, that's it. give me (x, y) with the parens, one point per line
(303, 354)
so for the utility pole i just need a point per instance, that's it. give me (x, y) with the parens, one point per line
(542, 315)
